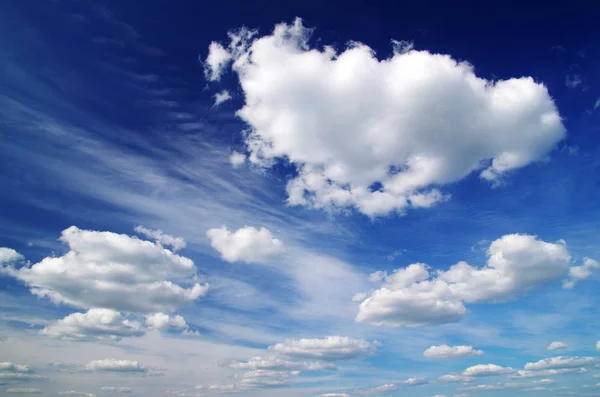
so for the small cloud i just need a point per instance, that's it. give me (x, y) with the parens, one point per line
(221, 97)
(236, 159)
(573, 80)
(557, 345)
(597, 104)
(394, 255)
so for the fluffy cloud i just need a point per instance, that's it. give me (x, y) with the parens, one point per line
(113, 271)
(582, 272)
(330, 348)
(377, 135)
(23, 390)
(414, 296)
(236, 159)
(163, 321)
(384, 388)
(94, 324)
(560, 362)
(276, 363)
(116, 389)
(522, 374)
(445, 351)
(16, 373)
(246, 244)
(557, 345)
(111, 365)
(221, 97)
(162, 238)
(9, 255)
(263, 379)
(414, 382)
(456, 378)
(486, 370)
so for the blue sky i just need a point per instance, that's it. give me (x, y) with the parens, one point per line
(309, 200)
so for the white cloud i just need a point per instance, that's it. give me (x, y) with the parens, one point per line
(335, 395)
(410, 122)
(498, 386)
(23, 390)
(111, 365)
(414, 382)
(598, 345)
(486, 370)
(163, 321)
(221, 97)
(384, 388)
(573, 80)
(456, 378)
(445, 351)
(543, 381)
(116, 389)
(75, 393)
(246, 244)
(439, 395)
(217, 59)
(414, 296)
(556, 345)
(162, 238)
(9, 255)
(330, 348)
(561, 362)
(276, 363)
(7, 366)
(94, 324)
(582, 272)
(16, 373)
(523, 374)
(262, 378)
(236, 159)
(113, 271)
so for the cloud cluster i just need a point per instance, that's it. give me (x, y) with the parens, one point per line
(415, 295)
(276, 363)
(16, 373)
(379, 135)
(330, 348)
(247, 244)
(445, 351)
(580, 273)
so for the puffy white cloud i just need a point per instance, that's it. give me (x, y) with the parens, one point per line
(163, 321)
(561, 362)
(23, 390)
(111, 365)
(246, 244)
(349, 121)
(384, 388)
(582, 272)
(330, 348)
(556, 345)
(456, 378)
(116, 389)
(486, 370)
(523, 374)
(415, 296)
(276, 363)
(236, 159)
(445, 351)
(221, 97)
(162, 238)
(94, 324)
(9, 255)
(414, 382)
(113, 271)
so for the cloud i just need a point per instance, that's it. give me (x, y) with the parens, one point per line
(16, 373)
(456, 378)
(445, 351)
(276, 363)
(573, 80)
(598, 345)
(95, 324)
(116, 389)
(246, 244)
(414, 296)
(75, 393)
(486, 370)
(236, 159)
(335, 395)
(162, 321)
(561, 362)
(498, 386)
(582, 272)
(118, 366)
(522, 374)
(9, 255)
(414, 382)
(23, 390)
(221, 97)
(330, 348)
(112, 271)
(384, 388)
(557, 345)
(263, 379)
(162, 238)
(217, 59)
(349, 122)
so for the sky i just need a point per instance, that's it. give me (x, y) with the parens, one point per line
(337, 199)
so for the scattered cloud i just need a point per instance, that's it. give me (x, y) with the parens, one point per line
(75, 393)
(221, 97)
(246, 244)
(561, 362)
(335, 395)
(330, 348)
(523, 374)
(162, 238)
(437, 123)
(16, 373)
(573, 80)
(557, 345)
(414, 382)
(445, 351)
(580, 273)
(237, 159)
(456, 378)
(279, 364)
(415, 296)
(112, 271)
(163, 321)
(119, 366)
(23, 390)
(116, 389)
(9, 255)
(486, 370)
